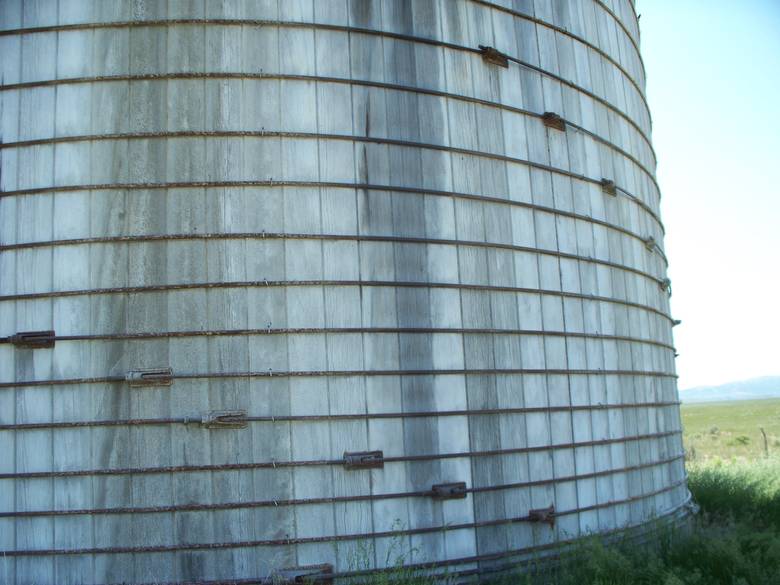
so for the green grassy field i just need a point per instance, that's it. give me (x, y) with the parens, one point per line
(731, 430)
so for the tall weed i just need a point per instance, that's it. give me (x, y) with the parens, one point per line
(735, 541)
(738, 490)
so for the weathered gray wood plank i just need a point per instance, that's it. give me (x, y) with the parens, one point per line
(329, 107)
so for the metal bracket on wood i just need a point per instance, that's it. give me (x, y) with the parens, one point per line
(666, 285)
(676, 322)
(650, 243)
(545, 515)
(225, 419)
(449, 491)
(149, 377)
(364, 460)
(609, 187)
(494, 56)
(33, 339)
(310, 573)
(554, 121)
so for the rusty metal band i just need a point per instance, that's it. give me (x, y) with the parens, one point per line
(338, 80)
(333, 283)
(329, 462)
(634, 41)
(612, 146)
(563, 551)
(348, 330)
(540, 555)
(335, 499)
(330, 538)
(590, 94)
(324, 185)
(369, 32)
(565, 32)
(552, 552)
(338, 137)
(196, 419)
(331, 28)
(341, 238)
(343, 137)
(345, 374)
(679, 510)
(335, 137)
(673, 517)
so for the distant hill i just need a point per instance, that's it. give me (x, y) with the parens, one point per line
(766, 387)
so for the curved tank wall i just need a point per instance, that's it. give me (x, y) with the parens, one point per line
(391, 310)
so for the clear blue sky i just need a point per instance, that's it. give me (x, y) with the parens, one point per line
(713, 70)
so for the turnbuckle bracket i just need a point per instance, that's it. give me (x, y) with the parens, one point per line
(149, 377)
(449, 491)
(494, 56)
(33, 339)
(609, 187)
(225, 419)
(364, 460)
(543, 515)
(554, 121)
(306, 574)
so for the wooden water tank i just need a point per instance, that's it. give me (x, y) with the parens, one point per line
(308, 287)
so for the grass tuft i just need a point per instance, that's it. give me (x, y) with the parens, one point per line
(734, 541)
(739, 491)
